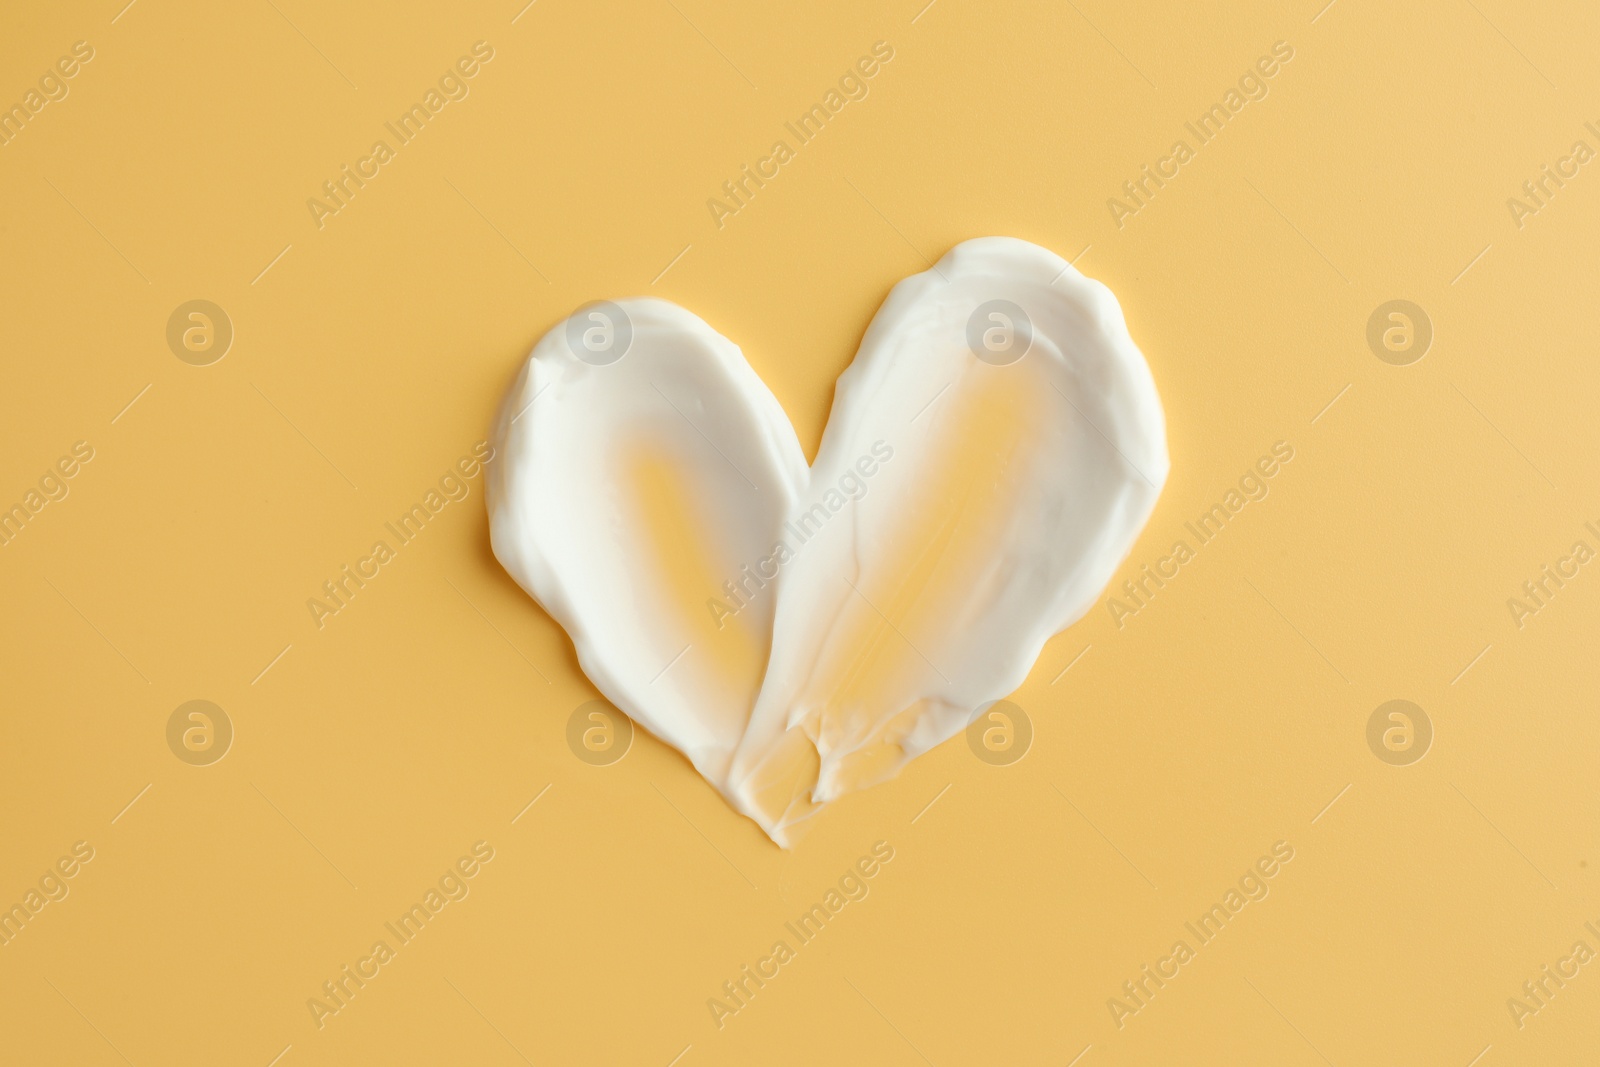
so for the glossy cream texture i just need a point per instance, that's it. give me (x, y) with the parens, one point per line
(830, 624)
(629, 492)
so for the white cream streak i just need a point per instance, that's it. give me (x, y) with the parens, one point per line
(797, 633)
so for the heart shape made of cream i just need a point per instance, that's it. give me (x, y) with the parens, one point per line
(799, 632)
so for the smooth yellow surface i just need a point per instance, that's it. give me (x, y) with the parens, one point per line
(426, 714)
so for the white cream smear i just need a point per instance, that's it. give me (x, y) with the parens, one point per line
(992, 453)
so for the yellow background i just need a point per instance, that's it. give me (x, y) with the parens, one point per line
(426, 715)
